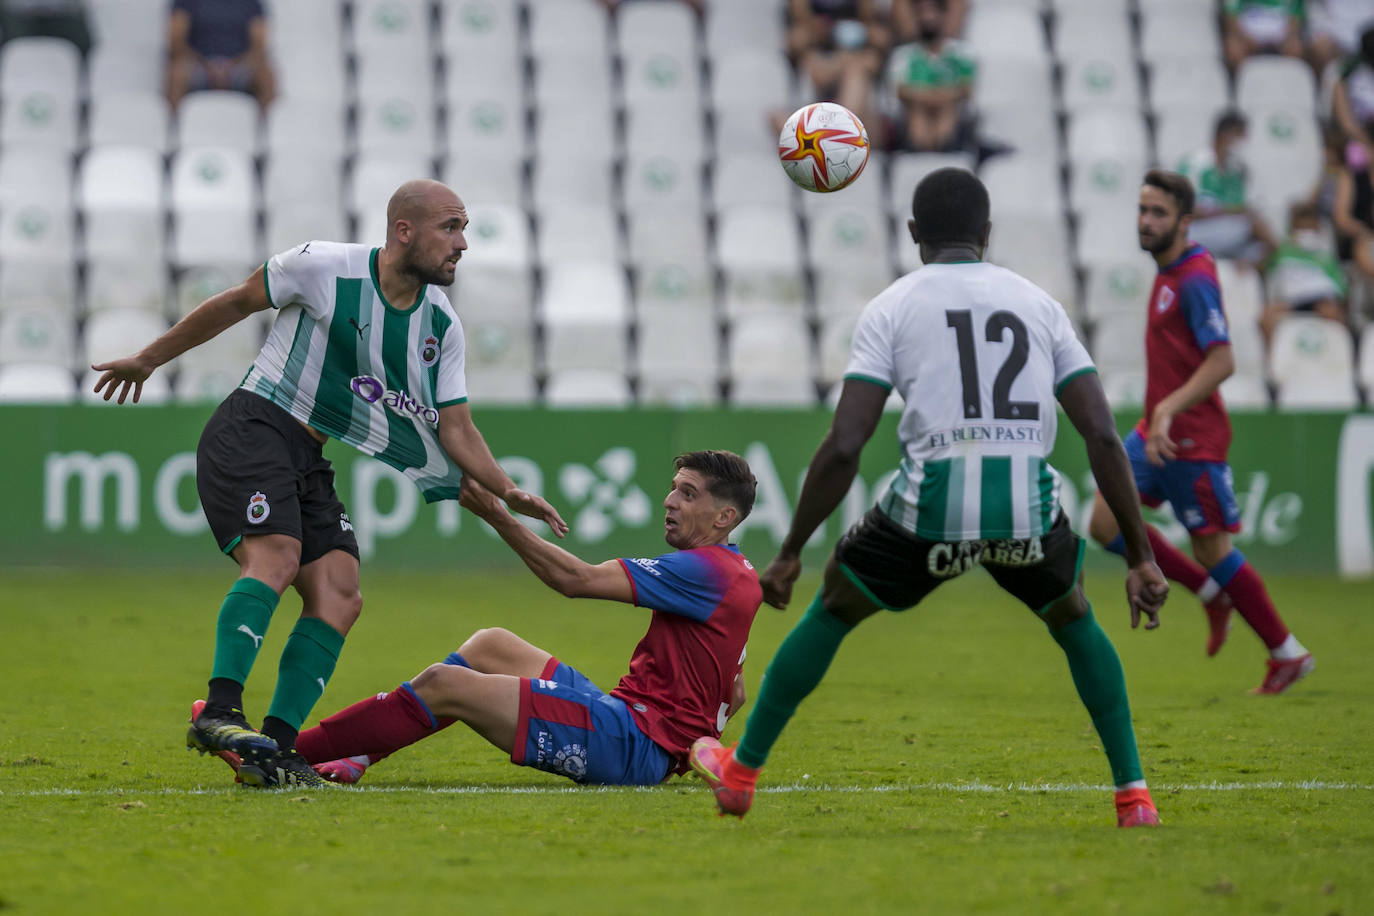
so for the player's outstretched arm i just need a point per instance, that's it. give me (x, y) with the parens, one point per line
(828, 479)
(1086, 405)
(557, 568)
(207, 320)
(463, 441)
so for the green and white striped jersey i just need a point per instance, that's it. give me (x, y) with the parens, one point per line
(343, 360)
(978, 354)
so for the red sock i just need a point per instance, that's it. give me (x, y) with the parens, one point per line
(1252, 602)
(376, 726)
(1174, 563)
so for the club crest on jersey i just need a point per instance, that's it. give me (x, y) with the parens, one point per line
(258, 509)
(371, 390)
(429, 350)
(1165, 299)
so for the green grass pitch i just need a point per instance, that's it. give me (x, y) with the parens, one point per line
(943, 766)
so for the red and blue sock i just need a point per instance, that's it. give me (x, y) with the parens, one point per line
(1251, 599)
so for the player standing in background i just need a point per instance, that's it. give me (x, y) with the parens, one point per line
(979, 355)
(684, 678)
(366, 349)
(1178, 449)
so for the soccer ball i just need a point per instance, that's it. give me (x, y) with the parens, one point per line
(823, 147)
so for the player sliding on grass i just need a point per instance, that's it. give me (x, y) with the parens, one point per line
(978, 355)
(1178, 449)
(365, 348)
(683, 680)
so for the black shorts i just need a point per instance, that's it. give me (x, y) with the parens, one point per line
(898, 569)
(259, 472)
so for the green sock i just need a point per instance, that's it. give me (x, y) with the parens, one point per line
(306, 664)
(243, 620)
(1101, 684)
(793, 673)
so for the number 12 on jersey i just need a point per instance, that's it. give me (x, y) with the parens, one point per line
(1003, 408)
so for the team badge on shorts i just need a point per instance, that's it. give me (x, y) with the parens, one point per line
(258, 509)
(572, 760)
(429, 350)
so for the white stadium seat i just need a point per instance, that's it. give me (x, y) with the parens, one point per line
(116, 333)
(1093, 79)
(663, 182)
(219, 118)
(1308, 347)
(37, 335)
(121, 178)
(1268, 81)
(1198, 82)
(760, 253)
(210, 177)
(126, 283)
(585, 178)
(587, 388)
(129, 118)
(751, 179)
(1245, 392)
(1006, 31)
(34, 116)
(732, 26)
(500, 386)
(569, 231)
(498, 236)
(1119, 286)
(50, 64)
(585, 310)
(36, 383)
(677, 341)
(772, 391)
(1118, 342)
(555, 25)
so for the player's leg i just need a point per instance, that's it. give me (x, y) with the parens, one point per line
(1053, 588)
(494, 650)
(875, 565)
(1288, 660)
(1174, 563)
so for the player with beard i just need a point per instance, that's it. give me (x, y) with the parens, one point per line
(364, 348)
(1178, 449)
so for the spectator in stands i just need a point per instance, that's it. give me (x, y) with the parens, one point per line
(1334, 28)
(1303, 275)
(1223, 220)
(840, 46)
(1353, 213)
(933, 77)
(1352, 98)
(1261, 26)
(218, 44)
(1323, 195)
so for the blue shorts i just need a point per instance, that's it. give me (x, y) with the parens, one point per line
(568, 726)
(1201, 493)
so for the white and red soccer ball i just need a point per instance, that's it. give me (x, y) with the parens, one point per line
(823, 147)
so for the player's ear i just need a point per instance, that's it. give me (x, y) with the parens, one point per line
(911, 227)
(727, 516)
(987, 234)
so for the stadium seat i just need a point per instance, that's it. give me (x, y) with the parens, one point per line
(311, 69)
(1118, 286)
(117, 68)
(587, 388)
(1245, 392)
(585, 311)
(32, 229)
(1006, 31)
(52, 65)
(1175, 33)
(678, 389)
(1182, 130)
(1092, 80)
(750, 179)
(500, 386)
(732, 26)
(1284, 154)
(1032, 131)
(128, 118)
(484, 30)
(835, 340)
(29, 173)
(647, 27)
(572, 231)
(38, 335)
(1025, 83)
(36, 383)
(1124, 388)
(663, 182)
(45, 286)
(672, 281)
(303, 127)
(34, 116)
(126, 283)
(156, 390)
(498, 236)
(562, 128)
(772, 391)
(555, 25)
(1118, 342)
(219, 118)
(1106, 234)
(579, 86)
(498, 342)
(655, 235)
(300, 222)
(500, 290)
(391, 28)
(485, 124)
(1108, 150)
(310, 177)
(653, 129)
(486, 178)
(1366, 366)
(659, 77)
(737, 129)
(1037, 248)
(1193, 82)
(848, 239)
(759, 251)
(676, 342)
(755, 79)
(374, 178)
(116, 333)
(214, 235)
(842, 291)
(1313, 394)
(120, 178)
(1021, 184)
(399, 121)
(213, 177)
(773, 343)
(1307, 347)
(1276, 82)
(578, 177)
(196, 284)
(1097, 31)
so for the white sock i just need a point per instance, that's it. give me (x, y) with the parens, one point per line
(1288, 650)
(1134, 784)
(1209, 590)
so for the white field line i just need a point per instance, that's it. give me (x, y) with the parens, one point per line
(787, 789)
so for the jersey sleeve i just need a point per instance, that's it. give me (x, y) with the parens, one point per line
(1200, 299)
(870, 356)
(288, 274)
(451, 387)
(684, 583)
(1071, 358)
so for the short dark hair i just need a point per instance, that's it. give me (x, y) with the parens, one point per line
(1175, 185)
(728, 476)
(950, 205)
(1229, 120)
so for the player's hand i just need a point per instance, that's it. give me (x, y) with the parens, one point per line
(536, 507)
(1158, 446)
(777, 580)
(126, 375)
(1146, 589)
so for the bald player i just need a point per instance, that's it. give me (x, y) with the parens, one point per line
(366, 348)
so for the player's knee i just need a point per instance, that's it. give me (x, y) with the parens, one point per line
(440, 687)
(1102, 527)
(1066, 610)
(483, 647)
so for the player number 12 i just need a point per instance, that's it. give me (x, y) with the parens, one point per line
(1003, 408)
